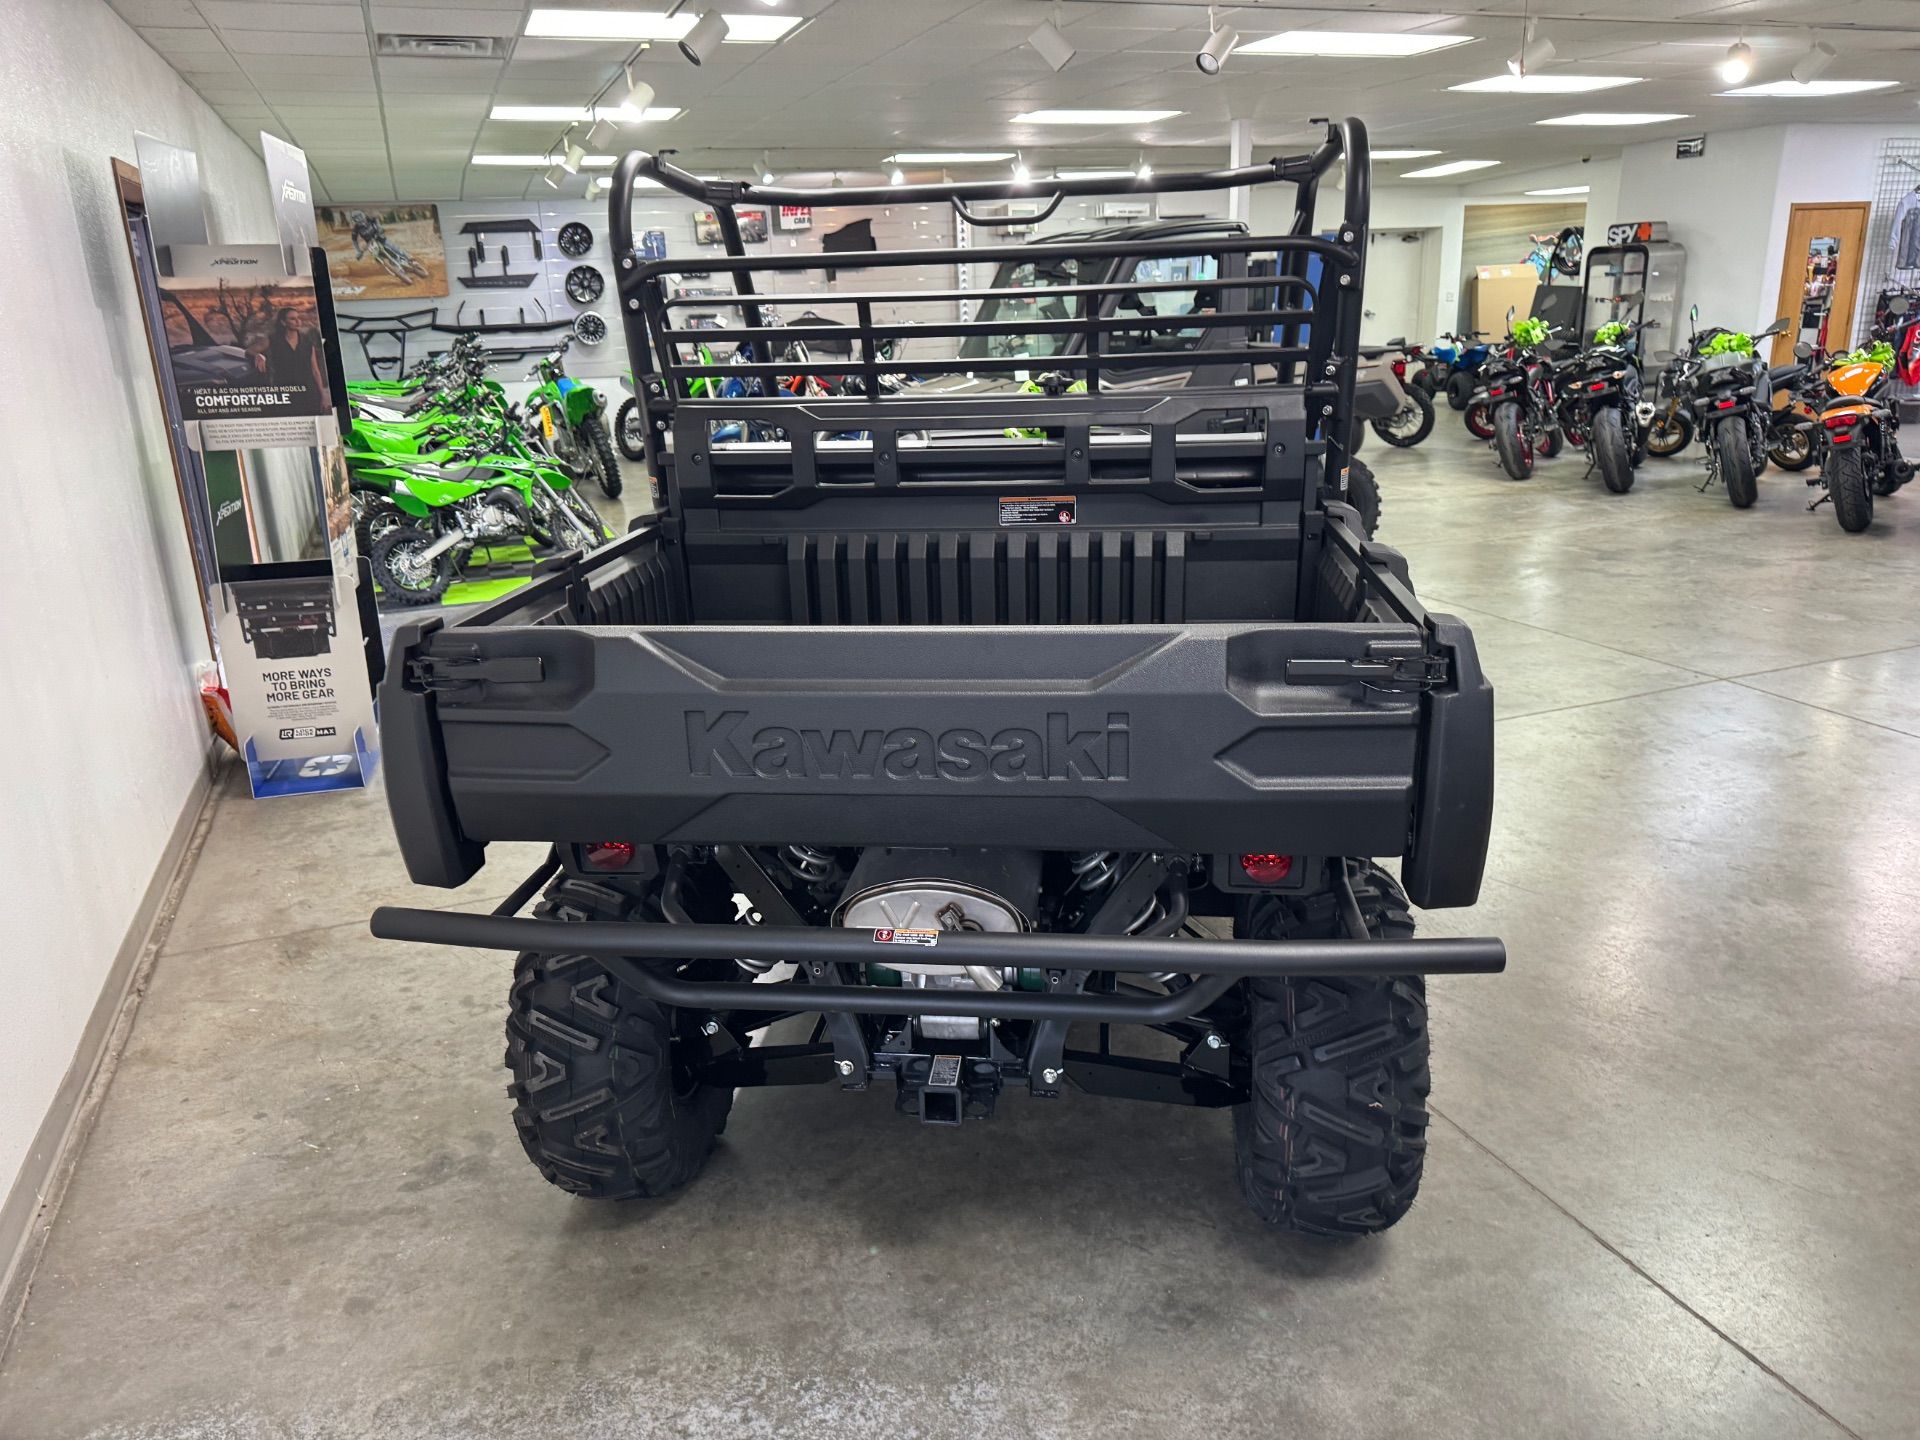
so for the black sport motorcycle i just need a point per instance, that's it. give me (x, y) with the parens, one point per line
(1601, 409)
(1518, 395)
(1728, 391)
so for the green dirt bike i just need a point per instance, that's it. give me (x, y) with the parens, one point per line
(424, 514)
(571, 419)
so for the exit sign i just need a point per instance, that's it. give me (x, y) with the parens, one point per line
(1691, 148)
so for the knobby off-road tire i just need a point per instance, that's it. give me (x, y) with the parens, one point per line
(1334, 1137)
(626, 430)
(1460, 388)
(1736, 464)
(1611, 454)
(388, 562)
(1846, 476)
(1363, 493)
(601, 1106)
(606, 464)
(1510, 439)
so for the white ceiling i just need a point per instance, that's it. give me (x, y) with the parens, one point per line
(862, 78)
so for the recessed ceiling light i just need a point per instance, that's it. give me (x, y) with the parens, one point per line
(537, 162)
(1614, 117)
(1094, 117)
(1550, 84)
(1352, 44)
(1563, 190)
(1403, 154)
(950, 157)
(1812, 89)
(571, 114)
(650, 25)
(1452, 167)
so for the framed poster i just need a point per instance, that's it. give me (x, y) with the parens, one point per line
(706, 227)
(383, 251)
(753, 226)
(796, 217)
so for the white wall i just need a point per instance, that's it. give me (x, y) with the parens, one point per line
(99, 624)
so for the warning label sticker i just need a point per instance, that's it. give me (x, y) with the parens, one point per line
(1036, 509)
(906, 937)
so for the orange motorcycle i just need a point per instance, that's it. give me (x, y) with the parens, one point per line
(1860, 425)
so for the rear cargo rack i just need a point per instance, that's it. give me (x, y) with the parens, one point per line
(1289, 304)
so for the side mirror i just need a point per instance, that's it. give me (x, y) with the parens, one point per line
(1693, 314)
(1899, 305)
(1778, 327)
(1803, 351)
(1512, 310)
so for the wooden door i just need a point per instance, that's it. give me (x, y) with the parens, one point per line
(1820, 275)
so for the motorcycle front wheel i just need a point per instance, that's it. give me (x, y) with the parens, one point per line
(600, 458)
(1792, 450)
(1670, 433)
(404, 576)
(1510, 438)
(629, 430)
(1479, 420)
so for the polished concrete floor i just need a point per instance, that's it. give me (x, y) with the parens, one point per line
(1674, 1168)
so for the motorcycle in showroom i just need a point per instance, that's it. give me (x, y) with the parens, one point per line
(1728, 392)
(1520, 398)
(1601, 409)
(1860, 426)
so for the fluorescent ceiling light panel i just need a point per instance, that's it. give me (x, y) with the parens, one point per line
(949, 157)
(760, 29)
(1403, 154)
(1549, 84)
(537, 162)
(1452, 167)
(1614, 117)
(1094, 174)
(1353, 44)
(1812, 88)
(573, 114)
(1563, 190)
(1094, 117)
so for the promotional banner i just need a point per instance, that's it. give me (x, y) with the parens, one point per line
(242, 337)
(292, 189)
(383, 252)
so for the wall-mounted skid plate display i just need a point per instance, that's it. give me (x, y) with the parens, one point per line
(576, 239)
(589, 329)
(584, 285)
(369, 328)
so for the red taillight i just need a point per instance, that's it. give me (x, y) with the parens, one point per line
(608, 854)
(1839, 422)
(1498, 390)
(1266, 869)
(1399, 369)
(1597, 386)
(1725, 404)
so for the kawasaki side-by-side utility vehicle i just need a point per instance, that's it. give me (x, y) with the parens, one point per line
(1045, 737)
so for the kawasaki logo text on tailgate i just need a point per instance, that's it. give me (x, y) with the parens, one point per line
(730, 743)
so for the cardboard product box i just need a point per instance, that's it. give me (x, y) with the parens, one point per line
(1495, 287)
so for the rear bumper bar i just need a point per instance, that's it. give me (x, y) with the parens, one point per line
(635, 951)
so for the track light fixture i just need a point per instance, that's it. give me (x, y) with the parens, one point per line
(602, 136)
(1021, 175)
(896, 176)
(1535, 50)
(1739, 63)
(572, 154)
(1814, 63)
(764, 169)
(703, 41)
(555, 177)
(639, 94)
(1220, 42)
(1054, 47)
(1141, 169)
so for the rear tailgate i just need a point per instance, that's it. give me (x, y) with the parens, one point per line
(1201, 737)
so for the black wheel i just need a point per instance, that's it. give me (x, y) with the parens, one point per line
(629, 431)
(1792, 449)
(600, 457)
(581, 509)
(1611, 453)
(584, 285)
(1363, 493)
(602, 1096)
(1736, 465)
(576, 239)
(1670, 433)
(1479, 420)
(374, 516)
(1460, 389)
(1422, 380)
(1510, 438)
(1846, 475)
(1411, 424)
(403, 576)
(1333, 1140)
(1551, 443)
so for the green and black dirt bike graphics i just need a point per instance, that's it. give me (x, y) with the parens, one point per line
(571, 419)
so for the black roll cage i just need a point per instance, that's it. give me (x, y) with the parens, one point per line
(1318, 323)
